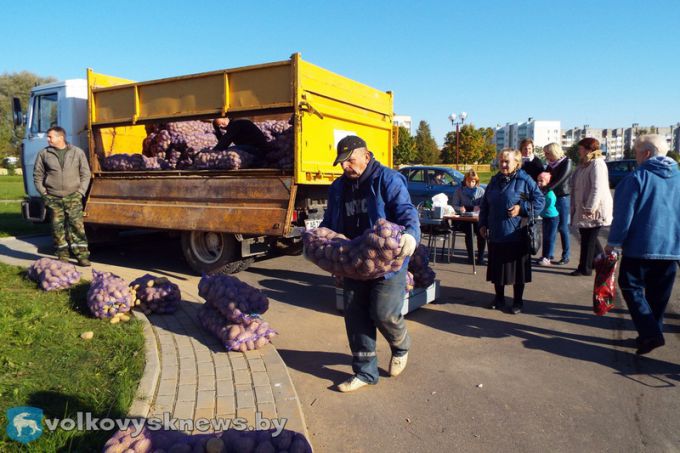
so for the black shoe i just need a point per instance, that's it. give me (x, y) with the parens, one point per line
(647, 345)
(480, 262)
(562, 262)
(496, 304)
(577, 273)
(516, 308)
(84, 262)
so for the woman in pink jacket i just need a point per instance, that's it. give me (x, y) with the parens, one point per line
(591, 202)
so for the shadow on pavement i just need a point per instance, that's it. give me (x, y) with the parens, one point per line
(570, 345)
(301, 289)
(317, 363)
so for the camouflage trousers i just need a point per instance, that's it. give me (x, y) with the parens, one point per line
(67, 224)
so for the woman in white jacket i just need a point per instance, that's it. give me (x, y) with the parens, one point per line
(591, 202)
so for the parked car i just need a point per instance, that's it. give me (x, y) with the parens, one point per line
(424, 182)
(619, 169)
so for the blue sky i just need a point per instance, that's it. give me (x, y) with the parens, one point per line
(603, 63)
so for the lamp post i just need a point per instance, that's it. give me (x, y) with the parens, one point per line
(457, 120)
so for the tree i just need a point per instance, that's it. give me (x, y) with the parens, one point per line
(405, 150)
(476, 146)
(489, 150)
(448, 152)
(674, 155)
(572, 153)
(16, 84)
(427, 151)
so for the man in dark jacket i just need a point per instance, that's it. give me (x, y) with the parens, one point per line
(242, 133)
(646, 231)
(366, 192)
(61, 176)
(531, 164)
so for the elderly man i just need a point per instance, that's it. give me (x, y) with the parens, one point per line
(366, 192)
(61, 176)
(531, 164)
(646, 230)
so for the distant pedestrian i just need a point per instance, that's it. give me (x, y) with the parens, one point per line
(502, 221)
(531, 164)
(560, 168)
(468, 198)
(591, 202)
(646, 230)
(62, 176)
(550, 219)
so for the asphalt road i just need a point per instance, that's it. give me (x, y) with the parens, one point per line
(556, 378)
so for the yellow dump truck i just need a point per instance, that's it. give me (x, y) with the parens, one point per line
(226, 218)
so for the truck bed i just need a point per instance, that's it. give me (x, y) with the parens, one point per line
(256, 202)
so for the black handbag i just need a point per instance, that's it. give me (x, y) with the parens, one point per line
(533, 236)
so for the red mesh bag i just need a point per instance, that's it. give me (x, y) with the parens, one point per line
(604, 289)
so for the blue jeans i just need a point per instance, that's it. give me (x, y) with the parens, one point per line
(646, 286)
(369, 305)
(563, 208)
(549, 235)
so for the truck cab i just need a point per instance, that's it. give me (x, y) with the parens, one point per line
(60, 103)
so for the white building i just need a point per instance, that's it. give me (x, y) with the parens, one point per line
(541, 132)
(402, 121)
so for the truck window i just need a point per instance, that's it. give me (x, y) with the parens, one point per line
(44, 113)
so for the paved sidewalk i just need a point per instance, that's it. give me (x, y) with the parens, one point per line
(188, 372)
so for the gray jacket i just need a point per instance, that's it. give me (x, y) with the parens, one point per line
(51, 179)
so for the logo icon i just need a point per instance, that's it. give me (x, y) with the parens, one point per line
(24, 423)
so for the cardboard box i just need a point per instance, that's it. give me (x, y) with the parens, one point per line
(412, 300)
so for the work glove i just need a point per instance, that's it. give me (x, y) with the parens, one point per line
(407, 245)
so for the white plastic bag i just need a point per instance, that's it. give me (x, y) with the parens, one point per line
(440, 200)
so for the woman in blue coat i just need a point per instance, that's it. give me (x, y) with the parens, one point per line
(502, 221)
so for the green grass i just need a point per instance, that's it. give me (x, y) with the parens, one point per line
(11, 188)
(485, 176)
(46, 364)
(12, 224)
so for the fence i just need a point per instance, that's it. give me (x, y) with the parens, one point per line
(481, 168)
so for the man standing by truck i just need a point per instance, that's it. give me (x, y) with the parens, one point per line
(62, 175)
(366, 192)
(242, 133)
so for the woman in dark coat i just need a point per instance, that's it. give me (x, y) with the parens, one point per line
(560, 169)
(502, 220)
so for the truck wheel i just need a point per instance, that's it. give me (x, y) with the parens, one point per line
(208, 252)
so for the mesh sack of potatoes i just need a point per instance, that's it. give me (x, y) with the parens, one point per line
(156, 294)
(252, 333)
(419, 266)
(110, 297)
(227, 441)
(52, 275)
(371, 255)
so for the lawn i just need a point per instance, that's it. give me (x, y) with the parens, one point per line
(11, 188)
(12, 224)
(485, 176)
(46, 364)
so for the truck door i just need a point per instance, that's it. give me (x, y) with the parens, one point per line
(43, 113)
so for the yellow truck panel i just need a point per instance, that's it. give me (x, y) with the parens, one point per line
(325, 105)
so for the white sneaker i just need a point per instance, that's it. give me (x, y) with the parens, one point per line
(544, 262)
(351, 384)
(397, 365)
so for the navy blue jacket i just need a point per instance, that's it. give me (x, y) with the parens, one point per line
(647, 211)
(389, 199)
(501, 196)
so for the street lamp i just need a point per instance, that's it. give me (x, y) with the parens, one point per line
(457, 121)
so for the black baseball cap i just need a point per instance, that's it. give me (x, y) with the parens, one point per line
(346, 146)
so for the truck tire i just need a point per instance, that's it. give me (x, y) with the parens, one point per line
(208, 252)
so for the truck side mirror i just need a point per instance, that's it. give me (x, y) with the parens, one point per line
(18, 114)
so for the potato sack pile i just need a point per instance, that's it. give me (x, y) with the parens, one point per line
(231, 312)
(220, 442)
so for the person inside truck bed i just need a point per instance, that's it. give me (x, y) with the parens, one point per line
(242, 133)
